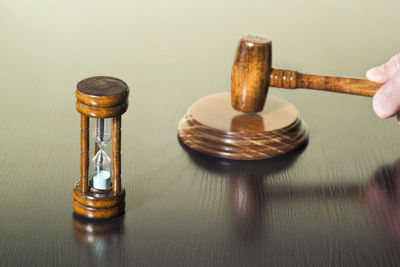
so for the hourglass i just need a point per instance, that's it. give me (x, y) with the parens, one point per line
(98, 194)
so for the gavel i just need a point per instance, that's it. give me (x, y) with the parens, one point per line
(252, 74)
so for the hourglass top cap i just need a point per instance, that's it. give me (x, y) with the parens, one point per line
(102, 97)
(102, 91)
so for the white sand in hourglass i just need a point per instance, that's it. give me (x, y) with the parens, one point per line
(101, 180)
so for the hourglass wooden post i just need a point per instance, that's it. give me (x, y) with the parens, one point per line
(106, 99)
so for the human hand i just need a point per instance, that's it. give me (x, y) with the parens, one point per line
(386, 102)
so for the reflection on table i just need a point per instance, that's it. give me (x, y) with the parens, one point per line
(100, 242)
(383, 197)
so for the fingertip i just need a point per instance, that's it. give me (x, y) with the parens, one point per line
(370, 74)
(376, 75)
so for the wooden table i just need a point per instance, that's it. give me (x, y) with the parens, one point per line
(335, 203)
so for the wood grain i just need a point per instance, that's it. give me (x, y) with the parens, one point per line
(102, 97)
(291, 80)
(252, 74)
(98, 204)
(101, 112)
(84, 153)
(116, 161)
(212, 127)
(102, 91)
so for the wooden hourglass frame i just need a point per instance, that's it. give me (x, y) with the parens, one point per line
(100, 97)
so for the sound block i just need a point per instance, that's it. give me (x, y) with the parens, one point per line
(211, 126)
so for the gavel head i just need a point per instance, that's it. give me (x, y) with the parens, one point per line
(250, 73)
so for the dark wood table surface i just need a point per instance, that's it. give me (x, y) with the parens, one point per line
(334, 203)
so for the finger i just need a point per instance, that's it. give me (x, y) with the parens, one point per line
(398, 120)
(383, 73)
(386, 101)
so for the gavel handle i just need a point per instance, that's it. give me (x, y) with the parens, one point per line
(290, 79)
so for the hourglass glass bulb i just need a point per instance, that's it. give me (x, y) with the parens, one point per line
(103, 131)
(102, 170)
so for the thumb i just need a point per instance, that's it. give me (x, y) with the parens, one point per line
(383, 73)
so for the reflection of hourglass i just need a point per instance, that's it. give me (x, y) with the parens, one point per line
(99, 241)
(101, 178)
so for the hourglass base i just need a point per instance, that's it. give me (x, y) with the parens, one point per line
(98, 204)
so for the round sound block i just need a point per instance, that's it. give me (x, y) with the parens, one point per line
(211, 126)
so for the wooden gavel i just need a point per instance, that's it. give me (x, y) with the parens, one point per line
(252, 74)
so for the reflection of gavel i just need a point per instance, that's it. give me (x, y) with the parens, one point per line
(252, 74)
